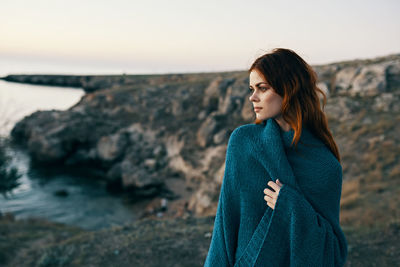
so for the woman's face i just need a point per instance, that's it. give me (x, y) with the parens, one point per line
(264, 96)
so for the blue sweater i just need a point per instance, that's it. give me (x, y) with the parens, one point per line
(303, 229)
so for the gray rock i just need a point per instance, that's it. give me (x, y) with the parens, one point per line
(344, 79)
(206, 132)
(111, 147)
(393, 76)
(370, 81)
(220, 137)
(324, 87)
(385, 102)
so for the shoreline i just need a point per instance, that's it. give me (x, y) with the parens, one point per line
(94, 82)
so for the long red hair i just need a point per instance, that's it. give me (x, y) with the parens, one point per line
(295, 81)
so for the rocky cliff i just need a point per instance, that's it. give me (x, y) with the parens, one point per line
(166, 135)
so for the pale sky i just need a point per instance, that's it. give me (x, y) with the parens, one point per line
(151, 36)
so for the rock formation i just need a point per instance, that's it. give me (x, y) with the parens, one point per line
(138, 131)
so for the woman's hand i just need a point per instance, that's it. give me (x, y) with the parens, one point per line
(272, 196)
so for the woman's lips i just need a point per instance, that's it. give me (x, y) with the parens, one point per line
(257, 109)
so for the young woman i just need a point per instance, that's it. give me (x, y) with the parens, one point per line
(279, 203)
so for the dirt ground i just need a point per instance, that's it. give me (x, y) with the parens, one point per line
(154, 242)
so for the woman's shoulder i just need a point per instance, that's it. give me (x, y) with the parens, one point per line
(244, 132)
(242, 137)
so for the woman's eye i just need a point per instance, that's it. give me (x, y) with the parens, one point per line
(262, 88)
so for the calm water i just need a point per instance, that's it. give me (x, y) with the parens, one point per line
(18, 100)
(87, 204)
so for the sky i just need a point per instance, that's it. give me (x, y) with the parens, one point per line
(178, 36)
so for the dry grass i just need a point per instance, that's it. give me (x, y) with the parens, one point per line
(350, 194)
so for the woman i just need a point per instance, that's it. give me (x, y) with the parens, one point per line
(279, 203)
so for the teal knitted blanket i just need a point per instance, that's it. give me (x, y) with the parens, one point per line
(303, 229)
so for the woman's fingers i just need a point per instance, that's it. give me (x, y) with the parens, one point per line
(274, 185)
(270, 201)
(271, 196)
(269, 192)
(268, 198)
(271, 205)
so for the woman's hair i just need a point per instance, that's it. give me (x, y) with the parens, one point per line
(295, 81)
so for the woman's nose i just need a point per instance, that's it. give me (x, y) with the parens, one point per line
(253, 97)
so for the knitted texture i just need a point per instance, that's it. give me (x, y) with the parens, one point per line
(303, 229)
